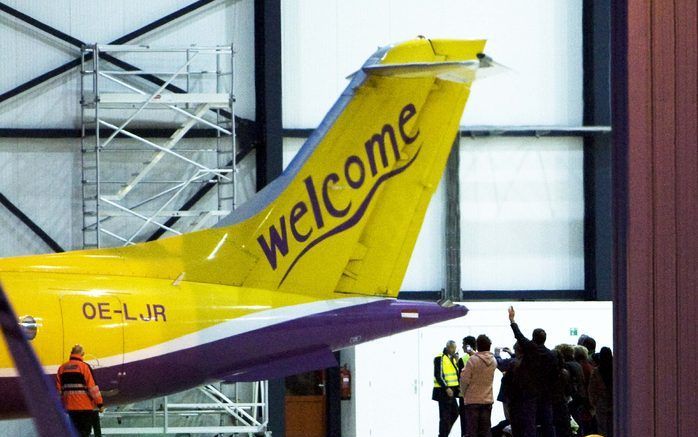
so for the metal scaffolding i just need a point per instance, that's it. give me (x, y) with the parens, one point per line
(133, 182)
(152, 134)
(224, 412)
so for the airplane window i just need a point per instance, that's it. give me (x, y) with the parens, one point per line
(29, 326)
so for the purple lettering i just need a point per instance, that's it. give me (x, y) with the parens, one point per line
(356, 161)
(103, 308)
(379, 140)
(276, 242)
(314, 204)
(150, 314)
(375, 158)
(332, 178)
(159, 310)
(406, 114)
(297, 212)
(89, 311)
(126, 316)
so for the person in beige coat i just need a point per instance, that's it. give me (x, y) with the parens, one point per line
(476, 388)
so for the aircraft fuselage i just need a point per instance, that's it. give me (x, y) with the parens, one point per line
(150, 337)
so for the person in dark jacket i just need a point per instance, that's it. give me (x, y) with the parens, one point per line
(601, 392)
(589, 343)
(469, 347)
(446, 389)
(561, 396)
(577, 384)
(536, 375)
(584, 413)
(572, 366)
(506, 366)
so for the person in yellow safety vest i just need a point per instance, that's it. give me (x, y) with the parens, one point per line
(446, 387)
(469, 347)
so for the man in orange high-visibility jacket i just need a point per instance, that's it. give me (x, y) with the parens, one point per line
(79, 393)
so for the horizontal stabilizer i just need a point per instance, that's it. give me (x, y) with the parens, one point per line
(456, 71)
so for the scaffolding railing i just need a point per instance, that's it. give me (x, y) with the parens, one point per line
(145, 150)
(162, 416)
(131, 182)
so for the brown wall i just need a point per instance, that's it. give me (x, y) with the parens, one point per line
(656, 213)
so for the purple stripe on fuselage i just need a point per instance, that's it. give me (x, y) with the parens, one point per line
(239, 354)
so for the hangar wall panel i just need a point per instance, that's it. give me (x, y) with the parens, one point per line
(107, 20)
(26, 53)
(43, 178)
(404, 390)
(522, 214)
(522, 217)
(324, 41)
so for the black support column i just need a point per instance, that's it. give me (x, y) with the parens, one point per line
(452, 288)
(598, 224)
(267, 18)
(269, 142)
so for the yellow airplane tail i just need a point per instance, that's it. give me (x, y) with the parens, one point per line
(345, 215)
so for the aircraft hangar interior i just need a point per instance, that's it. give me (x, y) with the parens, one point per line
(327, 218)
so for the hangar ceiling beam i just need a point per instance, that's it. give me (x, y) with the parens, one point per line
(50, 242)
(39, 25)
(142, 132)
(105, 56)
(500, 131)
(30, 84)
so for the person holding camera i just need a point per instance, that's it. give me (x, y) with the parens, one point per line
(476, 387)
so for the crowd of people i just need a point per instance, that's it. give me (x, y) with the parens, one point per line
(566, 391)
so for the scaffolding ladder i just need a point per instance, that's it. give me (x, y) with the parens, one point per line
(157, 127)
(152, 137)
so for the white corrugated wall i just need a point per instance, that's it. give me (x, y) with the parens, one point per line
(26, 53)
(43, 176)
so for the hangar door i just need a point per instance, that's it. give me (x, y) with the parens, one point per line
(96, 323)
